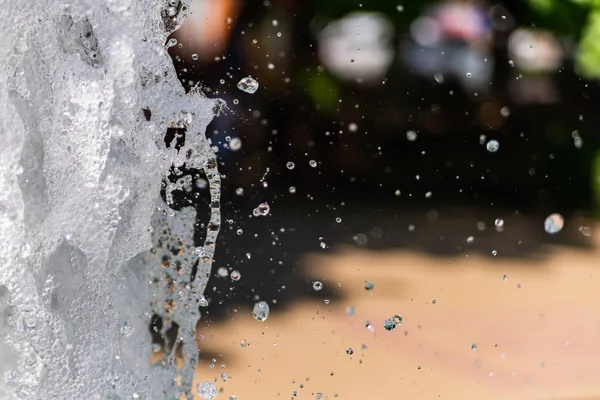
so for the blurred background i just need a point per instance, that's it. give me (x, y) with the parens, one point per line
(415, 145)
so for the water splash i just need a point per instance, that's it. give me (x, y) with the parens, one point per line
(80, 207)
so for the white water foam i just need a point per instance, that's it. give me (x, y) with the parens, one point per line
(81, 271)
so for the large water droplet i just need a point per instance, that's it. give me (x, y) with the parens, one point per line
(207, 390)
(248, 85)
(260, 312)
(554, 223)
(492, 146)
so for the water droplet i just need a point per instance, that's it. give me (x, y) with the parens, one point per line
(350, 311)
(470, 239)
(352, 127)
(260, 312)
(312, 163)
(240, 232)
(195, 57)
(235, 275)
(585, 231)
(554, 223)
(433, 301)
(389, 324)
(239, 191)
(369, 285)
(207, 390)
(411, 136)
(369, 326)
(504, 277)
(338, 220)
(469, 74)
(290, 165)
(499, 222)
(399, 8)
(262, 210)
(428, 195)
(349, 351)
(222, 272)
(203, 302)
(292, 189)
(494, 253)
(235, 144)
(505, 112)
(317, 285)
(492, 146)
(243, 343)
(473, 346)
(172, 42)
(275, 22)
(248, 85)
(439, 78)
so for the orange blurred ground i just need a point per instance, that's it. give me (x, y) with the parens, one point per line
(537, 341)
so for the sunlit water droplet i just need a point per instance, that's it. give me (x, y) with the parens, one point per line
(207, 390)
(260, 312)
(262, 210)
(554, 223)
(235, 144)
(389, 324)
(248, 85)
(492, 146)
(203, 302)
(235, 275)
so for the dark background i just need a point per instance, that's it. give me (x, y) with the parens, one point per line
(537, 170)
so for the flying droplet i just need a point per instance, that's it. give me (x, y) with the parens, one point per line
(290, 165)
(492, 146)
(411, 136)
(207, 390)
(389, 324)
(554, 223)
(473, 346)
(317, 285)
(312, 163)
(235, 275)
(262, 210)
(369, 286)
(248, 85)
(260, 312)
(235, 144)
(195, 57)
(349, 351)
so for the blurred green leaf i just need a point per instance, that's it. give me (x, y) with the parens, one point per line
(588, 54)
